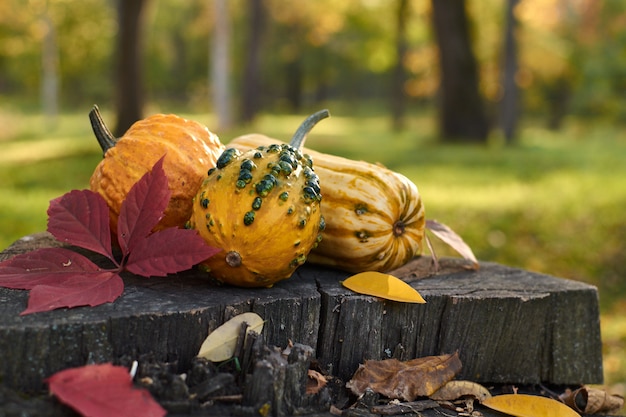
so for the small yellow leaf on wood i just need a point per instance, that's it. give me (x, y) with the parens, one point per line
(524, 405)
(220, 344)
(383, 286)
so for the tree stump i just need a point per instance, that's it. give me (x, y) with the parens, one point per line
(508, 325)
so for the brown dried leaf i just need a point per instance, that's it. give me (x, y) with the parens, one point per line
(454, 390)
(315, 382)
(593, 401)
(453, 240)
(408, 380)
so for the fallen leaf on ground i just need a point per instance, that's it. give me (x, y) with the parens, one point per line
(315, 382)
(102, 391)
(383, 286)
(525, 405)
(453, 390)
(408, 380)
(220, 344)
(453, 240)
(593, 401)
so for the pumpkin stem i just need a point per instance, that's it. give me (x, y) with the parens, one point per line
(297, 141)
(103, 134)
(398, 228)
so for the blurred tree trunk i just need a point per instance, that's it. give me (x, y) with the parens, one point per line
(294, 82)
(557, 95)
(129, 81)
(509, 106)
(321, 76)
(398, 98)
(250, 100)
(220, 63)
(179, 65)
(462, 115)
(50, 66)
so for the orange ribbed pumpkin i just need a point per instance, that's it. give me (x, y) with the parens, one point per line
(190, 150)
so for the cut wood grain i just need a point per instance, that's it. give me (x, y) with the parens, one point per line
(508, 325)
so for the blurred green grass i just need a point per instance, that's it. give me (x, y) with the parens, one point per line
(553, 202)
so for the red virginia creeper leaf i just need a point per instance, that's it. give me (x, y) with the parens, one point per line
(44, 267)
(75, 290)
(143, 207)
(453, 240)
(102, 391)
(81, 218)
(168, 251)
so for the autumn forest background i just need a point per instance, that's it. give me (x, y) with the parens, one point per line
(509, 115)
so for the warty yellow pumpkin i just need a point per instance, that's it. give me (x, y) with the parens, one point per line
(190, 150)
(261, 207)
(375, 219)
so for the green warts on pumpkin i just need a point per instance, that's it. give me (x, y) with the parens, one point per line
(254, 184)
(360, 209)
(248, 218)
(362, 235)
(297, 261)
(204, 202)
(322, 226)
(227, 157)
(289, 160)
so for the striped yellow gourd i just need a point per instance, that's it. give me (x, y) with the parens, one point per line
(374, 216)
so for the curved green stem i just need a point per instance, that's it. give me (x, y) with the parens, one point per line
(103, 134)
(298, 138)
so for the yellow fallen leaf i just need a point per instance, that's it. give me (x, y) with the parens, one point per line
(220, 344)
(524, 405)
(383, 286)
(455, 389)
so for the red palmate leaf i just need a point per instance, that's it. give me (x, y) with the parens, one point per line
(58, 277)
(143, 207)
(81, 218)
(102, 391)
(75, 290)
(168, 251)
(44, 266)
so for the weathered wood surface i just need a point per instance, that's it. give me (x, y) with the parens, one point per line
(509, 325)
